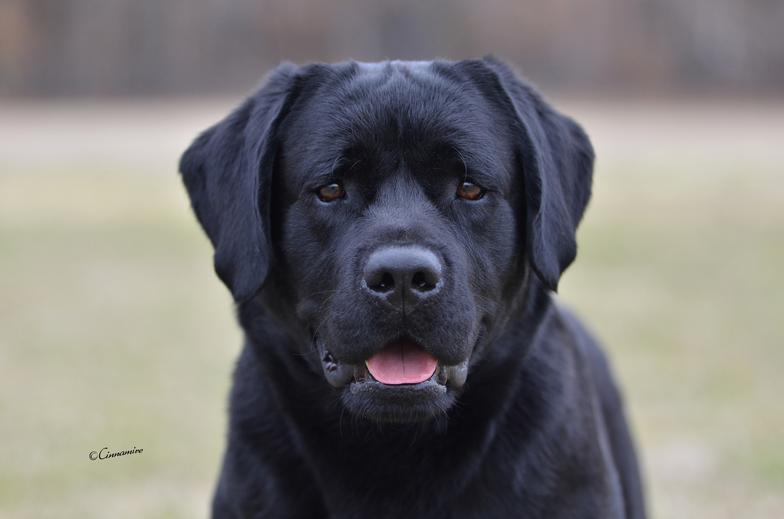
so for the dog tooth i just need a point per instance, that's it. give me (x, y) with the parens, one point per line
(457, 374)
(339, 376)
(443, 375)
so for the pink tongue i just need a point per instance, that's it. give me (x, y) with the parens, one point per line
(402, 363)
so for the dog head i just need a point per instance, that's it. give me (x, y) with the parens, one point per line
(389, 215)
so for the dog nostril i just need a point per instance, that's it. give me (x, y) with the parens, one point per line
(384, 283)
(423, 281)
(400, 272)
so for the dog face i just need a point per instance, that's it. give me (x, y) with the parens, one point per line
(388, 215)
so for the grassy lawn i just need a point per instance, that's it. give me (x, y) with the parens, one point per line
(115, 333)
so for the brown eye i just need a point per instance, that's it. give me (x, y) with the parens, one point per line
(469, 191)
(331, 192)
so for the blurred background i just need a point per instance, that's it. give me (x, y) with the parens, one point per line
(114, 331)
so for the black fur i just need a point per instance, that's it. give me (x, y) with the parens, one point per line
(538, 429)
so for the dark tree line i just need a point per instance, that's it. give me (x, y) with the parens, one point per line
(116, 47)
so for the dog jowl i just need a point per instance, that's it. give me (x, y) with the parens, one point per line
(392, 234)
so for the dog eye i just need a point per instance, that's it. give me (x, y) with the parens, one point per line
(468, 190)
(331, 192)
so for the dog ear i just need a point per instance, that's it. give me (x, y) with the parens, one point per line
(227, 172)
(557, 160)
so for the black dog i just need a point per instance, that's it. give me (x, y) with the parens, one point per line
(392, 233)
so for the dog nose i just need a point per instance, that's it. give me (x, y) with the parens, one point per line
(402, 275)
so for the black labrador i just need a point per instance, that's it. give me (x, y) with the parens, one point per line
(392, 233)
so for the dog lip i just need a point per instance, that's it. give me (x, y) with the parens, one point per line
(426, 385)
(452, 376)
(341, 374)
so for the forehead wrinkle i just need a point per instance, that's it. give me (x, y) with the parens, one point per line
(399, 114)
(396, 109)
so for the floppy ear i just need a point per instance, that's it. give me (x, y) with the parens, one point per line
(557, 160)
(227, 172)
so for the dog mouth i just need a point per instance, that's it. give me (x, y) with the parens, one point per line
(399, 363)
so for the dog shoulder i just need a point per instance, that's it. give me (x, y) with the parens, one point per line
(601, 382)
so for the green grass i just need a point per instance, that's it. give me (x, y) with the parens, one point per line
(115, 332)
